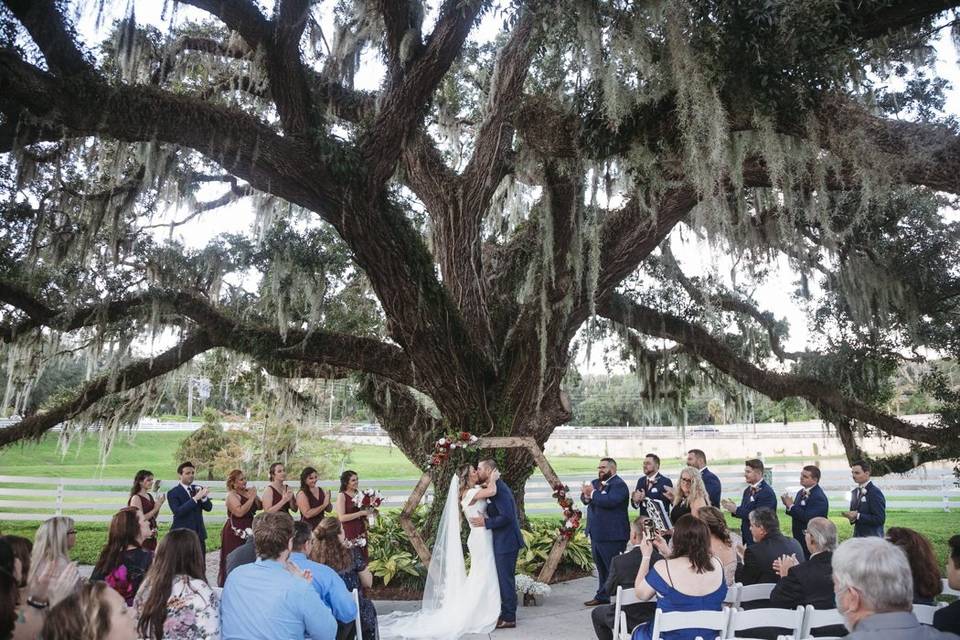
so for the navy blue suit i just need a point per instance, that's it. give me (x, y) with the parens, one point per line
(187, 512)
(872, 507)
(507, 541)
(764, 497)
(806, 507)
(712, 483)
(654, 491)
(608, 526)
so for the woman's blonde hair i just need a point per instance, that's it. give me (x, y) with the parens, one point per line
(697, 490)
(50, 544)
(463, 473)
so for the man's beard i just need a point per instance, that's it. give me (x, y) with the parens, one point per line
(605, 475)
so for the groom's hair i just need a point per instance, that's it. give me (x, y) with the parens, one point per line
(490, 464)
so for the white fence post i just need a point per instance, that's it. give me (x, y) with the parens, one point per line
(60, 497)
(945, 489)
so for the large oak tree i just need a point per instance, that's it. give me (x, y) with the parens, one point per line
(447, 237)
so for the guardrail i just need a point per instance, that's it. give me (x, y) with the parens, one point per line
(38, 498)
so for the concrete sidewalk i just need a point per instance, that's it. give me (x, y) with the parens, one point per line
(562, 615)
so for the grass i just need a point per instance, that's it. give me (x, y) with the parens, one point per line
(155, 450)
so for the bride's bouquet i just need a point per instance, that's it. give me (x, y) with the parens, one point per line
(368, 499)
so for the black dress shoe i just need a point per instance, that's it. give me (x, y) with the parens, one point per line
(506, 624)
(594, 602)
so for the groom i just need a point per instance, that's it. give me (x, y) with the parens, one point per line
(502, 521)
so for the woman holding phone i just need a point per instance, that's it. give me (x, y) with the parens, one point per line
(140, 498)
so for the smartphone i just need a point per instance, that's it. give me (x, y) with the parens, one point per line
(156, 485)
(649, 530)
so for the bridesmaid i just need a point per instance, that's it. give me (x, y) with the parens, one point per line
(242, 503)
(141, 499)
(312, 501)
(277, 496)
(353, 519)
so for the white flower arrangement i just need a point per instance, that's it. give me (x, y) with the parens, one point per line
(526, 584)
(360, 543)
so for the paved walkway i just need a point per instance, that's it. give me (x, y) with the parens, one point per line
(562, 615)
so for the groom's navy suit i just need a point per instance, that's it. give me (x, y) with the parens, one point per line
(607, 525)
(507, 540)
(188, 513)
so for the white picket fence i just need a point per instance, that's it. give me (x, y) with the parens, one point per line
(38, 498)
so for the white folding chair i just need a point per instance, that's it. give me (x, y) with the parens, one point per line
(817, 619)
(624, 597)
(356, 601)
(924, 612)
(733, 595)
(754, 592)
(780, 618)
(676, 620)
(947, 591)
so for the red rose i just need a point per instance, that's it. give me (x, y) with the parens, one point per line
(464, 436)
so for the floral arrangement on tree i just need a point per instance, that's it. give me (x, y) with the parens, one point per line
(571, 516)
(443, 446)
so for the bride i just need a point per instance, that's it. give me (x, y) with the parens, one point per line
(455, 603)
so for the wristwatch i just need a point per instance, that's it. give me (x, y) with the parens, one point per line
(37, 604)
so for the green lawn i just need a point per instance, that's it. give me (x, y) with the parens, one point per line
(155, 450)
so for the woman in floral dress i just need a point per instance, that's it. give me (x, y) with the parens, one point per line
(242, 503)
(175, 602)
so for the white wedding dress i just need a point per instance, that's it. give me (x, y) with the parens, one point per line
(454, 603)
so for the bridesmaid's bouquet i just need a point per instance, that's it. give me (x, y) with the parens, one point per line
(368, 499)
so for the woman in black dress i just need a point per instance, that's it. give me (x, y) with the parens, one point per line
(689, 495)
(330, 548)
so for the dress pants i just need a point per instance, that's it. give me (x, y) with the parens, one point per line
(604, 552)
(506, 574)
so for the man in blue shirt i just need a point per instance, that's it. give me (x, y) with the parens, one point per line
(265, 600)
(328, 585)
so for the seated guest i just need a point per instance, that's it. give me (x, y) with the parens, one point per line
(769, 545)
(23, 609)
(330, 548)
(325, 580)
(723, 542)
(927, 584)
(810, 582)
(95, 612)
(244, 554)
(948, 618)
(22, 548)
(175, 602)
(51, 548)
(691, 579)
(263, 600)
(623, 573)
(874, 590)
(123, 562)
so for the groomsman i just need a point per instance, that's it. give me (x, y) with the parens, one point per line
(188, 502)
(868, 507)
(652, 485)
(698, 460)
(608, 526)
(757, 494)
(811, 502)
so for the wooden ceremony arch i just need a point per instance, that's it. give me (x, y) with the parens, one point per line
(559, 545)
